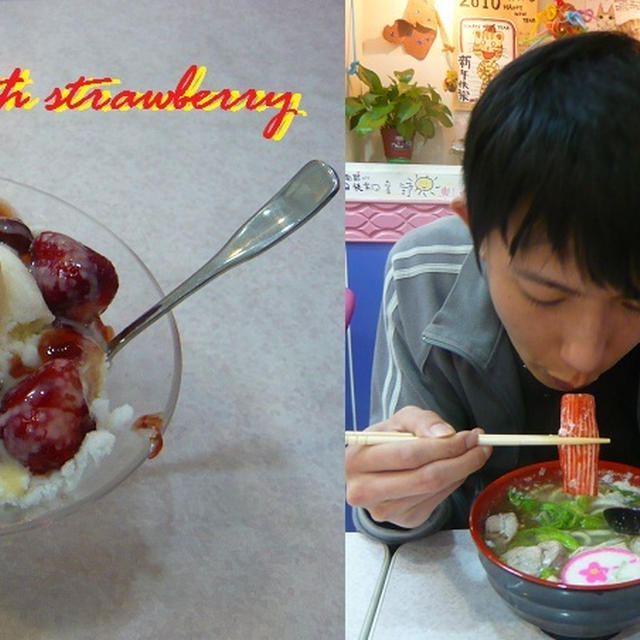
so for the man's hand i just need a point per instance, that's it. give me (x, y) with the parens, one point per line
(403, 482)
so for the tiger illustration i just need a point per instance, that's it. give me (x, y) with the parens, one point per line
(488, 46)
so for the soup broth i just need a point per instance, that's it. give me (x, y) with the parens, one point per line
(542, 531)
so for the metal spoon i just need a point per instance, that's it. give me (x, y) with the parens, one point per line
(623, 519)
(296, 202)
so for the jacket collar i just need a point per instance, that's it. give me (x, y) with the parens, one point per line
(477, 335)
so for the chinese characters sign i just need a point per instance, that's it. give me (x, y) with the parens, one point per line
(371, 182)
(489, 34)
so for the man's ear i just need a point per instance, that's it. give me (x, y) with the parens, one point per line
(459, 205)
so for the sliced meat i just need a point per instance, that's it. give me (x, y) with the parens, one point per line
(501, 527)
(533, 559)
(525, 559)
(553, 554)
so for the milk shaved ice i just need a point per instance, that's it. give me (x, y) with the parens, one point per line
(55, 422)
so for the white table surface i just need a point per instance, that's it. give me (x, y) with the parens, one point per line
(236, 529)
(366, 565)
(436, 588)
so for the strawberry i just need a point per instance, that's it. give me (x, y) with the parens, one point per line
(66, 342)
(45, 417)
(76, 282)
(16, 234)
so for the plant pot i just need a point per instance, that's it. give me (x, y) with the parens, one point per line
(396, 148)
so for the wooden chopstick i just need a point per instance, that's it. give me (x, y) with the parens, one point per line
(493, 439)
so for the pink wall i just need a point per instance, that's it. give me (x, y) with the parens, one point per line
(388, 221)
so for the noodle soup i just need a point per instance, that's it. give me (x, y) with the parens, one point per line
(591, 609)
(543, 532)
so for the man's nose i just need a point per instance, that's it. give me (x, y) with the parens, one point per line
(584, 343)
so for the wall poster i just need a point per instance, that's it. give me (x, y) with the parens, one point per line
(488, 34)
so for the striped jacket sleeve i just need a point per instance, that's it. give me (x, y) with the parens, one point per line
(417, 278)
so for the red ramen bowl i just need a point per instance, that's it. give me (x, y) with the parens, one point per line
(560, 610)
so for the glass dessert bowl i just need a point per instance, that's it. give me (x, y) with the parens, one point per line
(145, 375)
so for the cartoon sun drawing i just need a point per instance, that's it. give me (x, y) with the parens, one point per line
(424, 185)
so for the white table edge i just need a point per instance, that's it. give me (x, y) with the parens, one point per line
(372, 609)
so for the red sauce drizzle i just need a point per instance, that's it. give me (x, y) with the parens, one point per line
(60, 342)
(153, 422)
(6, 210)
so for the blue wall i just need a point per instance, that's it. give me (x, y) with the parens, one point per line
(365, 273)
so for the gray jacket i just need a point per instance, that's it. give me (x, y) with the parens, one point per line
(441, 346)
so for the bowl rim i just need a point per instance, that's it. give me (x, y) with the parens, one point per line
(475, 526)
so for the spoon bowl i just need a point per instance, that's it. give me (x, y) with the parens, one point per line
(623, 520)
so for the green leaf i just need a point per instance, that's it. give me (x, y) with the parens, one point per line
(406, 129)
(373, 120)
(534, 535)
(565, 539)
(445, 118)
(411, 92)
(432, 94)
(441, 113)
(405, 76)
(392, 93)
(595, 521)
(520, 500)
(547, 572)
(406, 110)
(370, 99)
(353, 122)
(353, 106)
(564, 515)
(370, 78)
(426, 128)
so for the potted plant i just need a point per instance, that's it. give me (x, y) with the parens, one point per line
(399, 111)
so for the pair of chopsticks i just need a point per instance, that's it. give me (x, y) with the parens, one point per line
(493, 439)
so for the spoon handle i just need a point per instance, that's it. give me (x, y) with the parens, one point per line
(296, 202)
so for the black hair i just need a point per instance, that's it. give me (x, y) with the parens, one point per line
(556, 135)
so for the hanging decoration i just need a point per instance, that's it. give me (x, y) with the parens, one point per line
(560, 19)
(563, 19)
(416, 31)
(353, 65)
